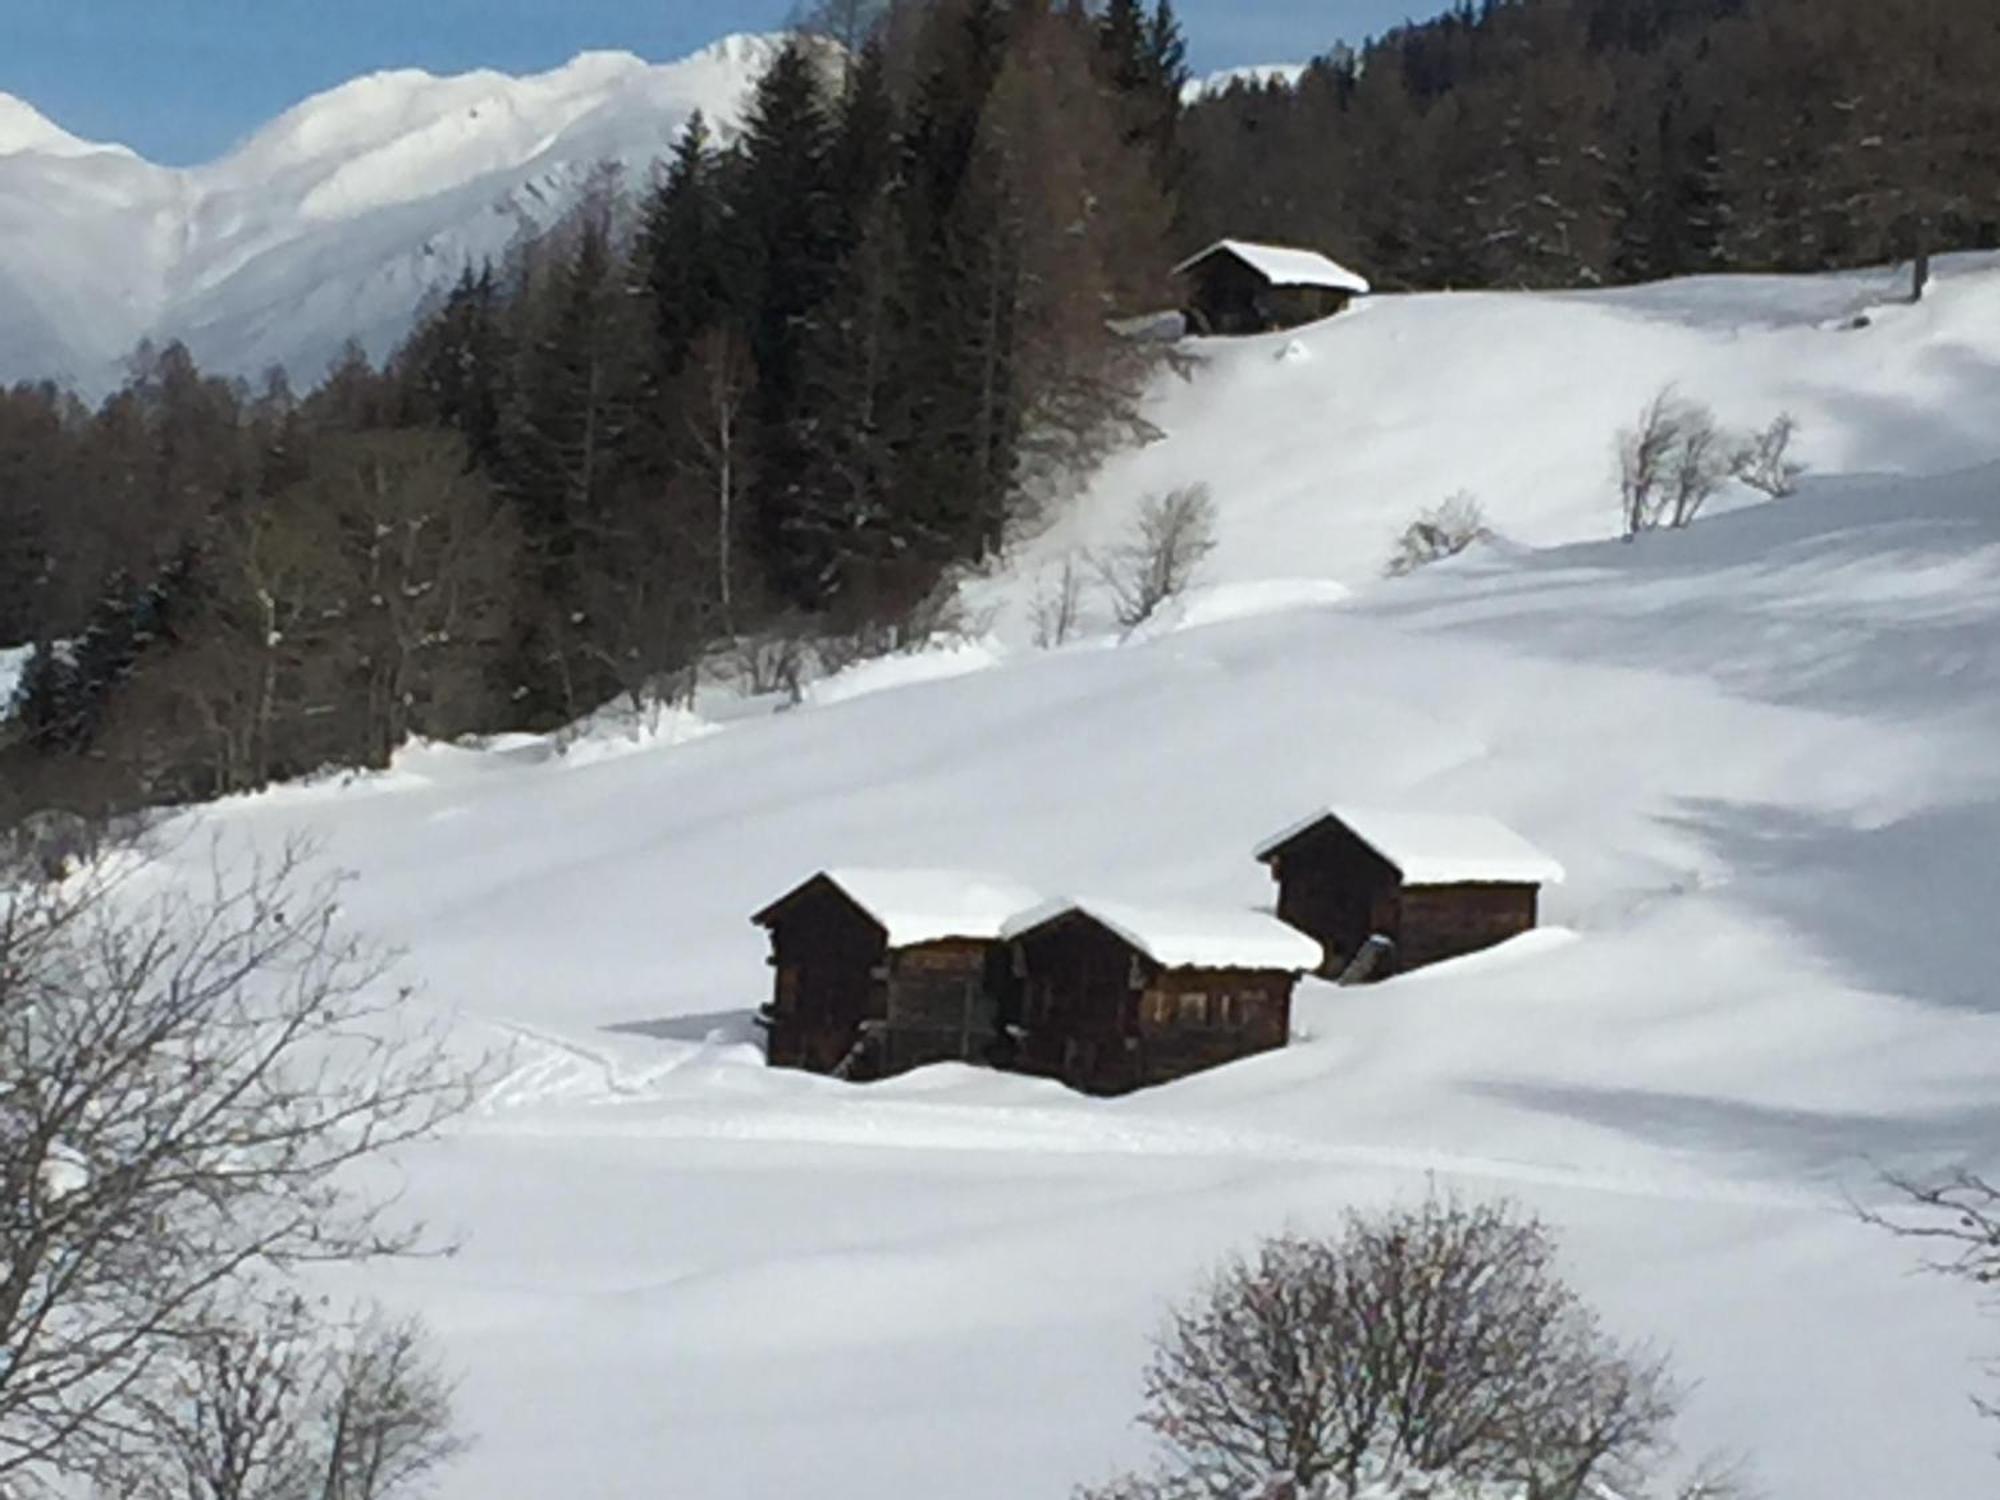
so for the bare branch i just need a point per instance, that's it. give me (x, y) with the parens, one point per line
(185, 1079)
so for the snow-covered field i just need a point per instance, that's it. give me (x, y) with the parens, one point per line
(1767, 751)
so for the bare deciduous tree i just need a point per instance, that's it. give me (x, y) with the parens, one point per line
(1056, 609)
(775, 659)
(1171, 537)
(431, 552)
(1764, 460)
(386, 1415)
(271, 1405)
(1435, 1343)
(1955, 1217)
(1445, 530)
(185, 1080)
(718, 387)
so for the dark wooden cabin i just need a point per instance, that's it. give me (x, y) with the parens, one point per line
(880, 971)
(1235, 287)
(1423, 887)
(1113, 998)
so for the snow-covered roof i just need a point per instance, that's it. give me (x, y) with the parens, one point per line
(927, 906)
(1281, 265)
(1436, 848)
(1187, 937)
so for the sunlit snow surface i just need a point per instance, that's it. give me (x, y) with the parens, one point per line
(1766, 752)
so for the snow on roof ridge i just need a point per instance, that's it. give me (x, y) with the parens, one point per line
(926, 904)
(1285, 265)
(1186, 937)
(1433, 848)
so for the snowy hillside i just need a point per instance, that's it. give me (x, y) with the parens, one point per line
(1766, 750)
(332, 221)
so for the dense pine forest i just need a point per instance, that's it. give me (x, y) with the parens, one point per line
(1559, 143)
(785, 388)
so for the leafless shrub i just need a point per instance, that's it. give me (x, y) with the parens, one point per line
(1435, 1343)
(1699, 466)
(1171, 537)
(938, 616)
(46, 845)
(184, 1082)
(1671, 464)
(1056, 609)
(775, 659)
(1955, 1218)
(1643, 454)
(272, 1405)
(1764, 462)
(1445, 530)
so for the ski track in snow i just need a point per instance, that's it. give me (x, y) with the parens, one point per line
(1016, 1131)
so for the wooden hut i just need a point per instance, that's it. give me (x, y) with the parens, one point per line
(1236, 287)
(1113, 998)
(880, 971)
(1386, 892)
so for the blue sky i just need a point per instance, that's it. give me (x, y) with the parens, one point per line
(181, 80)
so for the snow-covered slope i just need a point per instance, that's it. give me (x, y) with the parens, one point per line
(1766, 751)
(331, 222)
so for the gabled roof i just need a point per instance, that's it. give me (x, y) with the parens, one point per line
(1187, 937)
(1435, 848)
(919, 905)
(1281, 265)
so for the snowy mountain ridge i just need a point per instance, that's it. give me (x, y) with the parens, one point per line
(332, 221)
(1254, 75)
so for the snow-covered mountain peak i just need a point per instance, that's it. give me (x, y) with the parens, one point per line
(742, 49)
(332, 221)
(25, 130)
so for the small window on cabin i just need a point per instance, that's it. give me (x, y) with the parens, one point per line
(1226, 1010)
(1159, 1007)
(1194, 1008)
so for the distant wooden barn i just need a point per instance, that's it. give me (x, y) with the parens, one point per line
(1387, 892)
(880, 971)
(1113, 998)
(1235, 287)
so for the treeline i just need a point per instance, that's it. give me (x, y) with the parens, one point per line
(792, 382)
(1558, 143)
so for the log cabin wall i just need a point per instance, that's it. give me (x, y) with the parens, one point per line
(1225, 297)
(941, 1005)
(1078, 1005)
(827, 956)
(1104, 1018)
(1229, 296)
(1191, 1019)
(1293, 306)
(1334, 887)
(1447, 921)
